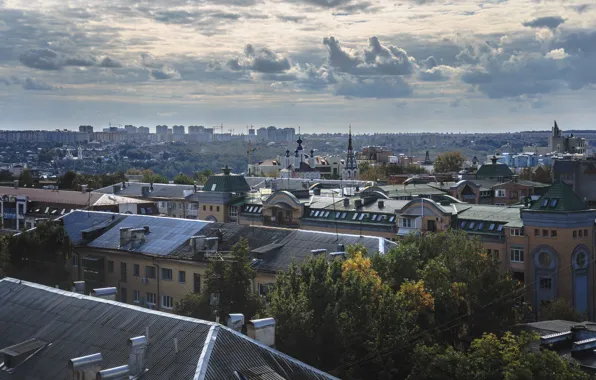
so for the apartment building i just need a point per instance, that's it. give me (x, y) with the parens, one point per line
(154, 261)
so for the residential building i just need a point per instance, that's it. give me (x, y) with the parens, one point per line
(168, 257)
(143, 130)
(579, 174)
(219, 197)
(161, 129)
(86, 129)
(178, 129)
(131, 129)
(52, 334)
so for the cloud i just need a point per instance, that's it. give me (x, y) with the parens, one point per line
(550, 22)
(376, 60)
(109, 62)
(296, 19)
(36, 85)
(261, 61)
(557, 54)
(164, 73)
(43, 59)
(376, 88)
(436, 74)
(347, 6)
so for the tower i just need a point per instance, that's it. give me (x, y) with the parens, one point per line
(80, 153)
(311, 159)
(287, 159)
(350, 170)
(300, 151)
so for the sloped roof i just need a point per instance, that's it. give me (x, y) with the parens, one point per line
(74, 198)
(494, 170)
(78, 325)
(160, 190)
(111, 200)
(559, 198)
(227, 183)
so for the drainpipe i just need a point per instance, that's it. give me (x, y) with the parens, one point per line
(158, 270)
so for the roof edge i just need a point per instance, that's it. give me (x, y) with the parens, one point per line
(203, 362)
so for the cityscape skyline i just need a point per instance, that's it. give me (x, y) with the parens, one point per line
(472, 66)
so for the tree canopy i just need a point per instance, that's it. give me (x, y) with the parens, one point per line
(183, 179)
(449, 162)
(150, 177)
(230, 281)
(26, 178)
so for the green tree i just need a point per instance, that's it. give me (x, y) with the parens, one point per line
(150, 177)
(449, 162)
(183, 179)
(495, 358)
(67, 180)
(40, 255)
(26, 178)
(560, 308)
(230, 280)
(202, 176)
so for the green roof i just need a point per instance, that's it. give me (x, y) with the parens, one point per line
(493, 171)
(559, 198)
(227, 183)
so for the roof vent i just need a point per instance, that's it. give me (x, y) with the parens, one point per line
(17, 354)
(262, 330)
(105, 293)
(16, 183)
(358, 203)
(79, 287)
(116, 373)
(85, 367)
(116, 188)
(236, 321)
(316, 191)
(381, 204)
(146, 229)
(83, 189)
(125, 234)
(137, 355)
(346, 202)
(341, 248)
(144, 190)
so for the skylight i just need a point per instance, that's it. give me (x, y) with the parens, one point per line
(343, 215)
(471, 226)
(553, 202)
(500, 228)
(355, 216)
(480, 226)
(545, 202)
(463, 224)
(392, 219)
(491, 227)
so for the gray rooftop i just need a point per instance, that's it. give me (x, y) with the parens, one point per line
(75, 325)
(508, 215)
(160, 190)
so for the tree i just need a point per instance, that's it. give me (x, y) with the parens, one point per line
(231, 280)
(40, 255)
(183, 179)
(202, 176)
(26, 178)
(449, 162)
(559, 308)
(495, 358)
(67, 180)
(150, 177)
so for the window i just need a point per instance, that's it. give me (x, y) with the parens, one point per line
(362, 216)
(123, 272)
(374, 217)
(151, 298)
(210, 208)
(546, 283)
(480, 226)
(392, 219)
(575, 234)
(136, 296)
(166, 274)
(585, 233)
(536, 232)
(579, 233)
(110, 266)
(265, 289)
(233, 211)
(75, 260)
(123, 295)
(513, 195)
(167, 302)
(217, 208)
(405, 222)
(553, 203)
(544, 203)
(553, 234)
(517, 255)
(355, 216)
(182, 277)
(545, 233)
(327, 214)
(544, 259)
(515, 232)
(471, 226)
(491, 227)
(204, 208)
(500, 193)
(135, 270)
(149, 271)
(496, 253)
(316, 213)
(462, 224)
(343, 215)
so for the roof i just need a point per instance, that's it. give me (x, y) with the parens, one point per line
(111, 200)
(493, 170)
(560, 197)
(75, 198)
(160, 190)
(227, 183)
(564, 166)
(78, 325)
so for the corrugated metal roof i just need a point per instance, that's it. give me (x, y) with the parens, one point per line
(77, 325)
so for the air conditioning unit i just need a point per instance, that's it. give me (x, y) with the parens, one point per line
(145, 280)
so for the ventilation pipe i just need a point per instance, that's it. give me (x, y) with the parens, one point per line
(116, 373)
(84, 367)
(262, 330)
(136, 357)
(236, 321)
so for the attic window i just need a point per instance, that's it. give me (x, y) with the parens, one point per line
(491, 227)
(374, 217)
(392, 219)
(480, 226)
(213, 186)
(327, 214)
(553, 202)
(500, 228)
(545, 202)
(355, 216)
(316, 213)
(471, 226)
(463, 224)
(343, 215)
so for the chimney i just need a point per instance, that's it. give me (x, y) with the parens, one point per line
(16, 183)
(123, 185)
(116, 373)
(346, 202)
(316, 191)
(262, 330)
(236, 321)
(79, 287)
(146, 229)
(105, 293)
(341, 248)
(116, 189)
(84, 367)
(137, 237)
(83, 189)
(381, 204)
(358, 203)
(145, 190)
(136, 357)
(125, 234)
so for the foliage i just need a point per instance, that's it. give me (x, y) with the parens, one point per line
(559, 308)
(39, 255)
(359, 318)
(541, 174)
(393, 169)
(369, 172)
(5, 175)
(202, 176)
(449, 162)
(495, 358)
(73, 181)
(183, 179)
(26, 178)
(231, 280)
(150, 177)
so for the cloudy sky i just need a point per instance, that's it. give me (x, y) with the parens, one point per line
(386, 66)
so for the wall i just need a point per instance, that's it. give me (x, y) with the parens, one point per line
(207, 210)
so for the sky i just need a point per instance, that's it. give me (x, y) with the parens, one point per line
(381, 66)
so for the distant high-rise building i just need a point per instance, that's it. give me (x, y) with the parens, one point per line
(161, 129)
(130, 129)
(86, 128)
(196, 129)
(262, 134)
(178, 129)
(143, 130)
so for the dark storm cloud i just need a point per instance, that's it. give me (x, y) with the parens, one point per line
(262, 61)
(376, 60)
(550, 22)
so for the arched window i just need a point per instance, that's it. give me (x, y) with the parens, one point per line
(580, 261)
(545, 266)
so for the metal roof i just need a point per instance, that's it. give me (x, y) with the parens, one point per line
(560, 197)
(487, 213)
(160, 190)
(77, 325)
(74, 198)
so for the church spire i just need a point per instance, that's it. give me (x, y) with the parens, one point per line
(350, 139)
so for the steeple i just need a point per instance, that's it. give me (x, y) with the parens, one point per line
(350, 170)
(350, 139)
(299, 141)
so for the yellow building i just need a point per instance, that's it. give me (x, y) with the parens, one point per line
(154, 261)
